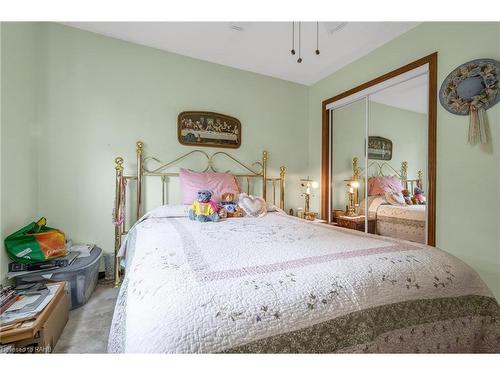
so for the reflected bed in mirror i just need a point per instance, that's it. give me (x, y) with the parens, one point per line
(379, 168)
(394, 202)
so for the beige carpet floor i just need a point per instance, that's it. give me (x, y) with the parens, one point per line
(87, 329)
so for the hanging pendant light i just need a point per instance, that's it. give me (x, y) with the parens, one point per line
(293, 51)
(317, 38)
(299, 60)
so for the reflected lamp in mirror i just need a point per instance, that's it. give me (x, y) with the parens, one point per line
(307, 184)
(352, 197)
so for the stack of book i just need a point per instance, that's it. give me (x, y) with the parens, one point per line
(8, 296)
(29, 301)
(49, 264)
(18, 269)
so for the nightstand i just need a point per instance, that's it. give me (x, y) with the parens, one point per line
(356, 223)
(313, 221)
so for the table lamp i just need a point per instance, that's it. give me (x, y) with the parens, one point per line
(353, 185)
(307, 183)
(352, 192)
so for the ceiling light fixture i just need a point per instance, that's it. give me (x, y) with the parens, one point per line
(292, 51)
(299, 60)
(317, 38)
(237, 28)
(333, 27)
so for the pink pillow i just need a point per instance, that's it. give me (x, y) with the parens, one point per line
(219, 183)
(383, 184)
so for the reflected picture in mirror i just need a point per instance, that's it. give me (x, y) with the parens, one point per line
(396, 186)
(379, 158)
(379, 148)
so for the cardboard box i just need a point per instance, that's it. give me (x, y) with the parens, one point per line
(42, 336)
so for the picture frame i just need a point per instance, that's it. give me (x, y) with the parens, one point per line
(379, 148)
(208, 129)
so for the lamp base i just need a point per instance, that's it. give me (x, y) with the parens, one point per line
(310, 216)
(351, 211)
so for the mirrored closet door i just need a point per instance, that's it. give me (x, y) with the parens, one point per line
(348, 132)
(382, 157)
(397, 159)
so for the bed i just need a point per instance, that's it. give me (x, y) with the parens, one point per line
(279, 284)
(407, 222)
(404, 222)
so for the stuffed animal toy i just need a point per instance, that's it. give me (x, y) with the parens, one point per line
(407, 196)
(419, 195)
(204, 208)
(229, 205)
(222, 214)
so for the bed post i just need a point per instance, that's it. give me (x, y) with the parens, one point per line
(355, 169)
(264, 175)
(282, 187)
(117, 216)
(404, 174)
(139, 151)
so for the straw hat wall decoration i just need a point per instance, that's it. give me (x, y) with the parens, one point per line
(471, 89)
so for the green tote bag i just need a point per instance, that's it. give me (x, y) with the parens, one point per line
(36, 242)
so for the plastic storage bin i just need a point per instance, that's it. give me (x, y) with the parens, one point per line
(81, 277)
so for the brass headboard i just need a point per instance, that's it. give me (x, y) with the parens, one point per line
(253, 171)
(379, 168)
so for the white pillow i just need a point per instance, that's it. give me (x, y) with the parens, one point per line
(395, 198)
(169, 210)
(252, 206)
(272, 208)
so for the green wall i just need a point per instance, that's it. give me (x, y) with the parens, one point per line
(98, 96)
(406, 129)
(468, 178)
(20, 126)
(408, 132)
(2, 261)
(73, 100)
(348, 141)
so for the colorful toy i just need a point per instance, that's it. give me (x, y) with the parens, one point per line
(407, 196)
(419, 195)
(222, 214)
(204, 208)
(229, 205)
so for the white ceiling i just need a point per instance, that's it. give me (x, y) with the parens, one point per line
(410, 95)
(260, 47)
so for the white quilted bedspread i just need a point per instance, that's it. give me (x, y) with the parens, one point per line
(207, 287)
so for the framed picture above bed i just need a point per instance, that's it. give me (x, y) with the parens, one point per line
(208, 129)
(379, 148)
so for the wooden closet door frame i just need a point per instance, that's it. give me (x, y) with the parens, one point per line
(431, 141)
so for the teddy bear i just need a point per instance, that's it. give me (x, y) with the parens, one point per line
(407, 196)
(229, 205)
(419, 195)
(222, 213)
(204, 208)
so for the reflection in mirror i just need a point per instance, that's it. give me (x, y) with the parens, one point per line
(397, 160)
(348, 158)
(385, 131)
